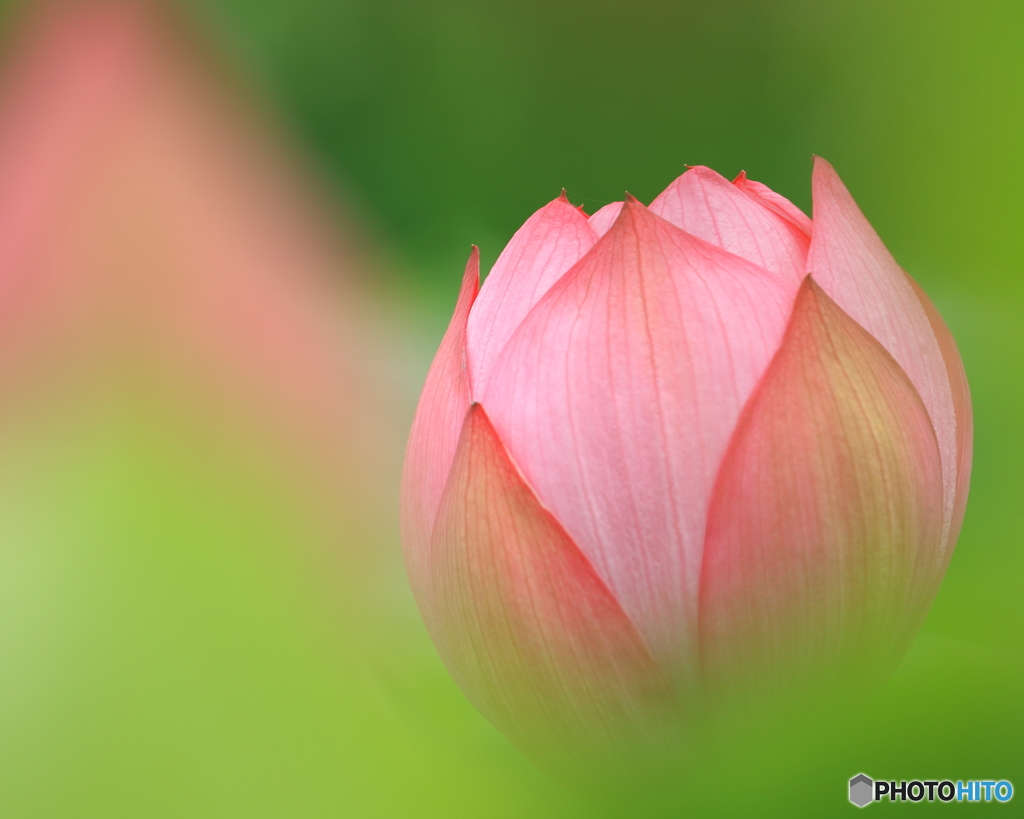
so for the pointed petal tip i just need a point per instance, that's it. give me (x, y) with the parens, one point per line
(434, 438)
(470, 278)
(855, 268)
(632, 209)
(564, 198)
(527, 627)
(469, 289)
(550, 242)
(821, 164)
(780, 602)
(824, 178)
(476, 423)
(743, 217)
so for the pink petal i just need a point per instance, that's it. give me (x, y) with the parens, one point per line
(605, 218)
(773, 201)
(710, 207)
(961, 407)
(852, 265)
(526, 627)
(549, 243)
(617, 397)
(434, 438)
(825, 532)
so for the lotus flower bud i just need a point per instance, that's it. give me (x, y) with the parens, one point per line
(673, 453)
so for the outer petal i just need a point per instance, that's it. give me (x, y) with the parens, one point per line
(961, 406)
(548, 244)
(617, 397)
(710, 207)
(603, 219)
(434, 438)
(527, 628)
(824, 536)
(852, 265)
(765, 196)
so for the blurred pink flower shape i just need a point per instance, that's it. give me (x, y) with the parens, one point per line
(675, 452)
(156, 239)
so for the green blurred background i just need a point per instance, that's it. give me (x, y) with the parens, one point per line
(163, 652)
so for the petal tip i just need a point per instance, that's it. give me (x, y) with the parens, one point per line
(822, 165)
(563, 197)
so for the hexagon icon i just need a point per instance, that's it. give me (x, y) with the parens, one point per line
(862, 790)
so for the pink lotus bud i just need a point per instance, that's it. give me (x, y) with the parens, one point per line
(673, 452)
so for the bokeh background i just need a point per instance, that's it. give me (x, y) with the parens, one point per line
(231, 233)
